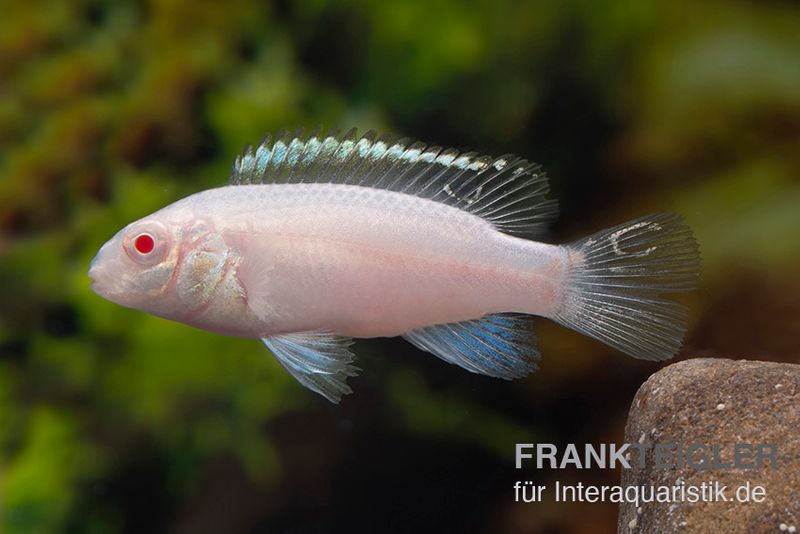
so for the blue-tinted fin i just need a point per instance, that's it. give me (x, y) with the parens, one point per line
(508, 191)
(500, 345)
(320, 361)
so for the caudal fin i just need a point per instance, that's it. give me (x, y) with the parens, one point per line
(616, 280)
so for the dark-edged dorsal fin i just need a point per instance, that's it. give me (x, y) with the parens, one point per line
(507, 191)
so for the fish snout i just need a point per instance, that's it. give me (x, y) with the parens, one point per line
(98, 270)
(95, 273)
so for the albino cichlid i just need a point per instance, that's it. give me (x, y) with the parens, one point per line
(321, 239)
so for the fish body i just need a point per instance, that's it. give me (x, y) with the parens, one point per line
(321, 240)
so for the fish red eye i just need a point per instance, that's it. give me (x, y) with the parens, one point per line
(144, 244)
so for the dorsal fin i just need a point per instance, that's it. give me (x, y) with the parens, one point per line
(508, 191)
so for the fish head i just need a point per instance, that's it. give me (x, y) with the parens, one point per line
(135, 267)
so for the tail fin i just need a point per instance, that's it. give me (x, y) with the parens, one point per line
(615, 281)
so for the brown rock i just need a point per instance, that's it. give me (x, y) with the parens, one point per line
(724, 403)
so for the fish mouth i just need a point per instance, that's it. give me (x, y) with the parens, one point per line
(101, 285)
(95, 273)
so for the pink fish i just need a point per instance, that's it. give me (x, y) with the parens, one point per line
(321, 239)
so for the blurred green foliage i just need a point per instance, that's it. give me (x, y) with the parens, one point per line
(110, 110)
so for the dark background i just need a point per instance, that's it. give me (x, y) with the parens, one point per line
(115, 421)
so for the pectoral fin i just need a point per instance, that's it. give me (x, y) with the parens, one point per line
(254, 274)
(320, 361)
(500, 345)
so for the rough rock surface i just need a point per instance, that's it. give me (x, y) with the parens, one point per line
(724, 402)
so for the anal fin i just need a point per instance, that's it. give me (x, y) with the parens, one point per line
(499, 345)
(320, 361)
